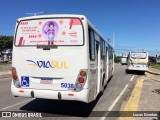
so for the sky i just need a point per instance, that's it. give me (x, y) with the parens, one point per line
(129, 24)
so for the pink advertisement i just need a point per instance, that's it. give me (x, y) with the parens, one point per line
(50, 32)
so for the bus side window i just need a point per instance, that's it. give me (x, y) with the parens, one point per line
(103, 51)
(110, 53)
(91, 45)
(106, 49)
(101, 46)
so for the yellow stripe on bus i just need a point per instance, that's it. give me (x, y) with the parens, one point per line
(31, 64)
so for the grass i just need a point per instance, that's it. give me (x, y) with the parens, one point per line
(5, 76)
(156, 66)
(4, 63)
(5, 66)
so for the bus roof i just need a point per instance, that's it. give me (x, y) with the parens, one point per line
(51, 15)
(139, 51)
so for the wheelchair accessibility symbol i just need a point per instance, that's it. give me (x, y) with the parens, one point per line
(25, 81)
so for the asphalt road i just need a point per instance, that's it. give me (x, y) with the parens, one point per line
(115, 95)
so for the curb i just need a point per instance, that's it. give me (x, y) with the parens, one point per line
(5, 76)
(155, 73)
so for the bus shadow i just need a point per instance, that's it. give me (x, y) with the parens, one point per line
(134, 72)
(63, 108)
(56, 108)
(108, 83)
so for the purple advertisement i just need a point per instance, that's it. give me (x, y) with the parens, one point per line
(50, 31)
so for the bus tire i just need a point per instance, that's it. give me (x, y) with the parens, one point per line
(143, 72)
(103, 86)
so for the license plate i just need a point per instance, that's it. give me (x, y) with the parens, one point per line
(46, 81)
(137, 66)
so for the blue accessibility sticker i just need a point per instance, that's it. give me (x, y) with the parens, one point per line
(24, 81)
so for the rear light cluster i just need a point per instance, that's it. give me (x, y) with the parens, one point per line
(81, 80)
(15, 77)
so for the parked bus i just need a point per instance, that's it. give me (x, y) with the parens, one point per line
(137, 60)
(61, 57)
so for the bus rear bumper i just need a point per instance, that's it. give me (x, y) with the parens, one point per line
(50, 94)
(138, 68)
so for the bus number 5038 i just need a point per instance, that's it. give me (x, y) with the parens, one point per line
(67, 85)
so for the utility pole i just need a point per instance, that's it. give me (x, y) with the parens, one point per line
(113, 40)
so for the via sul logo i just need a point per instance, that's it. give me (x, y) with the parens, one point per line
(49, 64)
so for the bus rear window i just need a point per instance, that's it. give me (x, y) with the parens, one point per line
(65, 31)
(138, 55)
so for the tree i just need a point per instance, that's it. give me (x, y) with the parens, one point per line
(6, 42)
(117, 59)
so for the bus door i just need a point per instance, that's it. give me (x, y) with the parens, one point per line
(110, 60)
(98, 69)
(107, 63)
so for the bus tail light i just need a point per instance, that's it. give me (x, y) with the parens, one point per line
(83, 73)
(15, 77)
(81, 79)
(13, 71)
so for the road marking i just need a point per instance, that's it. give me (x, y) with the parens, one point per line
(114, 103)
(116, 100)
(16, 104)
(132, 78)
(133, 101)
(132, 104)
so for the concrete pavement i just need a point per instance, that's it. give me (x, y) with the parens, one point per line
(154, 71)
(145, 97)
(5, 71)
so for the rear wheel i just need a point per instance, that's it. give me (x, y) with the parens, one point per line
(103, 86)
(142, 72)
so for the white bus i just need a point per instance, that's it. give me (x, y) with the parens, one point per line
(124, 59)
(61, 57)
(137, 60)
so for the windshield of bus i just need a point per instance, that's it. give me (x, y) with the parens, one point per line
(61, 31)
(138, 55)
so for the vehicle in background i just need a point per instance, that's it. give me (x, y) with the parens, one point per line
(124, 59)
(7, 51)
(6, 55)
(61, 57)
(137, 61)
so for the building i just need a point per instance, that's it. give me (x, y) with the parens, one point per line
(157, 59)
